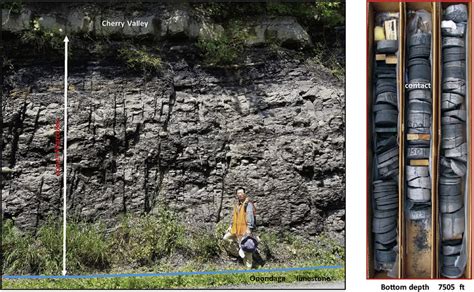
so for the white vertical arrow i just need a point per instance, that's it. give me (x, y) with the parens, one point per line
(66, 41)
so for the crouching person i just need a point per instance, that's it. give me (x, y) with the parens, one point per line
(239, 238)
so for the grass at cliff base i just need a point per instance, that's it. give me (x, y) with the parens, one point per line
(156, 243)
(162, 282)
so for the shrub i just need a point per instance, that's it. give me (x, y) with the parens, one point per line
(324, 250)
(284, 246)
(328, 13)
(331, 13)
(140, 60)
(224, 50)
(223, 11)
(24, 253)
(335, 251)
(328, 57)
(269, 244)
(41, 40)
(145, 239)
(204, 246)
(87, 247)
(14, 7)
(221, 228)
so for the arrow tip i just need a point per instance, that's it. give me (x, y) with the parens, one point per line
(66, 39)
(64, 272)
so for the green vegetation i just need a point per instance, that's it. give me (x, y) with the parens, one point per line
(200, 281)
(140, 60)
(328, 13)
(324, 56)
(42, 253)
(224, 50)
(151, 244)
(13, 7)
(320, 18)
(42, 40)
(286, 246)
(144, 240)
(204, 247)
(88, 248)
(228, 48)
(21, 256)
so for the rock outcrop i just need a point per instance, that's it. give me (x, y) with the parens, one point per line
(161, 22)
(187, 137)
(284, 30)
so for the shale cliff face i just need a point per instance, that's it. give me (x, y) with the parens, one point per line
(187, 137)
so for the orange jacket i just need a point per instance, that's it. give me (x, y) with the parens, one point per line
(240, 221)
